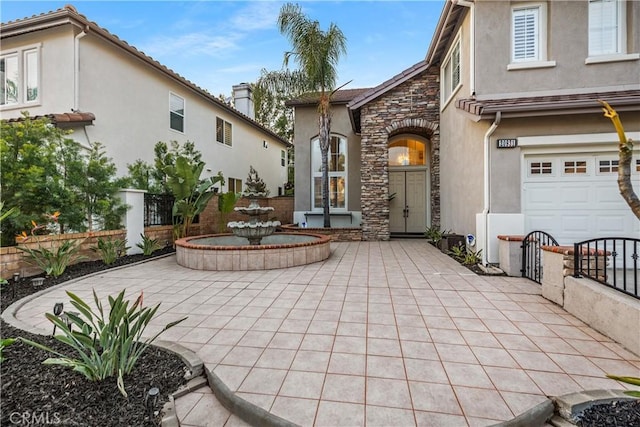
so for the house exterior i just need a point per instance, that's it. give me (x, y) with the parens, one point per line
(499, 128)
(63, 66)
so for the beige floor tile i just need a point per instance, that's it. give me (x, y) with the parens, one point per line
(512, 380)
(353, 345)
(317, 342)
(579, 365)
(384, 417)
(419, 350)
(303, 384)
(232, 376)
(413, 333)
(298, 411)
(258, 339)
(425, 370)
(343, 363)
(385, 367)
(455, 353)
(285, 340)
(483, 403)
(468, 375)
(522, 402)
(382, 331)
(213, 354)
(488, 356)
(516, 342)
(184, 404)
(554, 383)
(433, 419)
(352, 329)
(388, 392)
(446, 336)
(535, 360)
(311, 361)
(331, 414)
(242, 356)
(207, 412)
(344, 388)
(433, 397)
(383, 347)
(276, 358)
(263, 381)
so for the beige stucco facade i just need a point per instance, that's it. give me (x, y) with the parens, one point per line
(129, 95)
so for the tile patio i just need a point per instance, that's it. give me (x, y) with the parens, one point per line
(381, 333)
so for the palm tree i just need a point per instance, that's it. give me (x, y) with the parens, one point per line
(317, 53)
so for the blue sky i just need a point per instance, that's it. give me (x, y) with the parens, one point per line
(217, 44)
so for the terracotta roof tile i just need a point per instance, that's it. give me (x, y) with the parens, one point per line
(62, 118)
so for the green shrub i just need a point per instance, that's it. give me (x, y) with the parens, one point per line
(472, 258)
(434, 234)
(106, 347)
(458, 252)
(110, 250)
(53, 262)
(148, 245)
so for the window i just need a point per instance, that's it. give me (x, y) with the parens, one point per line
(526, 34)
(283, 158)
(540, 168)
(176, 113)
(638, 165)
(451, 71)
(529, 37)
(606, 27)
(575, 167)
(607, 166)
(20, 77)
(407, 152)
(223, 132)
(337, 169)
(234, 185)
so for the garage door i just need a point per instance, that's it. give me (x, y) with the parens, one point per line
(576, 197)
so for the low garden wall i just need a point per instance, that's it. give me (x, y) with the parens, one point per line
(12, 260)
(336, 234)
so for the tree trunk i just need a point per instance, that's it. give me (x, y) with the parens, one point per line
(624, 177)
(324, 124)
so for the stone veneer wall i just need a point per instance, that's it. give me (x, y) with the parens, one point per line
(411, 107)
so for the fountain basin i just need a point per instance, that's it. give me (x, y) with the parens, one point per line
(226, 252)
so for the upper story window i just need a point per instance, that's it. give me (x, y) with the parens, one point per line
(234, 185)
(337, 170)
(20, 76)
(529, 36)
(283, 158)
(176, 113)
(451, 72)
(223, 132)
(607, 35)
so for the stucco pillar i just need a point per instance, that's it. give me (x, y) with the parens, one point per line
(133, 219)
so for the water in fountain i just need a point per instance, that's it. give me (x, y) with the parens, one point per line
(254, 229)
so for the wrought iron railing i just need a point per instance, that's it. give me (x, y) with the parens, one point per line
(157, 209)
(532, 254)
(612, 261)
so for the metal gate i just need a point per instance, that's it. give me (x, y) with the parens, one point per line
(532, 254)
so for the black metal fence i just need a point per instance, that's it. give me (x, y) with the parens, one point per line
(612, 261)
(532, 254)
(157, 209)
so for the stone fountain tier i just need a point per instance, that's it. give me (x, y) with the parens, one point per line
(254, 211)
(253, 231)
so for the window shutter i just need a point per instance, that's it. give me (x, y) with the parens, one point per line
(526, 30)
(227, 133)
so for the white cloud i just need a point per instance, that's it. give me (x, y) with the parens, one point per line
(191, 44)
(260, 15)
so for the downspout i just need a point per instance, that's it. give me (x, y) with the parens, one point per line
(472, 36)
(76, 69)
(487, 186)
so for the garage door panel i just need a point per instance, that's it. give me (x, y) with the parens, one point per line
(612, 225)
(577, 206)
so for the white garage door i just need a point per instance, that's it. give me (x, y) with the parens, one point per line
(576, 197)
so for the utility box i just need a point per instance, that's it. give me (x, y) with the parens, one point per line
(450, 240)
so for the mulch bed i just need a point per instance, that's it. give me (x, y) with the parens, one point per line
(615, 414)
(37, 394)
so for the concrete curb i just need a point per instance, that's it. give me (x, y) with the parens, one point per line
(570, 406)
(244, 409)
(534, 417)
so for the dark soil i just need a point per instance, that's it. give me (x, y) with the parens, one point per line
(37, 394)
(615, 414)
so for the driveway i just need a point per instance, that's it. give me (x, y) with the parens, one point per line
(381, 333)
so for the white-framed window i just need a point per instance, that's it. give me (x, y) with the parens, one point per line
(574, 167)
(607, 29)
(176, 112)
(529, 37)
(283, 158)
(540, 168)
(234, 185)
(451, 72)
(637, 165)
(224, 132)
(607, 166)
(20, 76)
(337, 170)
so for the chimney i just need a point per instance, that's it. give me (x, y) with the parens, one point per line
(243, 99)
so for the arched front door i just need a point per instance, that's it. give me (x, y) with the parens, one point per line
(408, 185)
